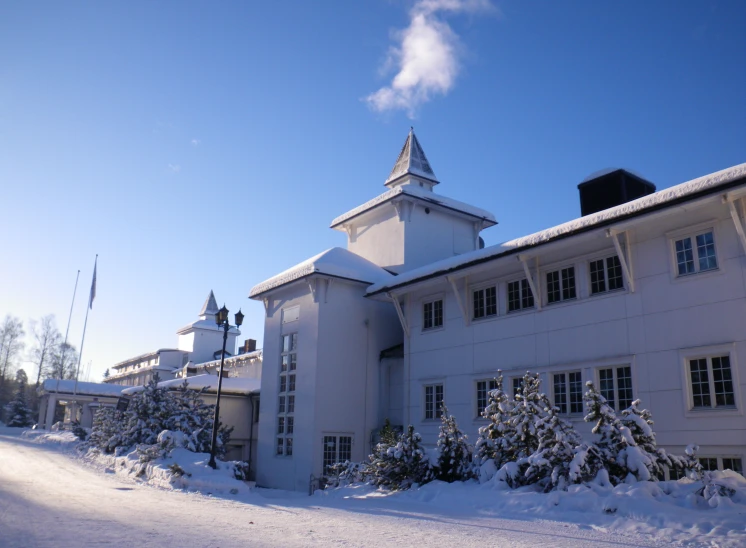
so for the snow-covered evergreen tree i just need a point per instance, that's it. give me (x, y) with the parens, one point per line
(524, 419)
(17, 412)
(640, 425)
(454, 453)
(559, 442)
(108, 424)
(401, 465)
(608, 428)
(491, 444)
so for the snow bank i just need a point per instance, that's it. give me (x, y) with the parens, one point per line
(66, 439)
(181, 469)
(672, 511)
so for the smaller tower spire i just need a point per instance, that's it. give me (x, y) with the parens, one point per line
(210, 308)
(411, 162)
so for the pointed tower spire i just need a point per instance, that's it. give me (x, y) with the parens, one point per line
(210, 308)
(411, 162)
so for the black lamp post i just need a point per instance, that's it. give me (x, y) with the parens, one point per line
(222, 320)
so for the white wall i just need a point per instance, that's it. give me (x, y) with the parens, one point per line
(652, 329)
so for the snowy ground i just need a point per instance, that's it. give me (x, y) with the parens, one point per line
(49, 498)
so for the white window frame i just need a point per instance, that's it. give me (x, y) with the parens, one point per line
(719, 460)
(436, 408)
(567, 373)
(521, 281)
(432, 300)
(688, 354)
(483, 287)
(545, 286)
(605, 257)
(614, 367)
(488, 383)
(337, 447)
(692, 232)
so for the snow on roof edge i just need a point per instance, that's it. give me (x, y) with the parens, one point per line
(320, 264)
(635, 207)
(415, 192)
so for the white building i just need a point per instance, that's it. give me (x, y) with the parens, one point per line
(646, 297)
(199, 342)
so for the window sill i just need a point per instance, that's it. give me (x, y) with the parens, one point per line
(608, 292)
(432, 329)
(712, 412)
(485, 318)
(701, 275)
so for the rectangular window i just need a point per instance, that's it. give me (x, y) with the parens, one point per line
(517, 385)
(711, 383)
(568, 392)
(336, 449)
(432, 313)
(709, 464)
(606, 275)
(484, 302)
(433, 401)
(520, 295)
(733, 463)
(695, 254)
(615, 384)
(483, 390)
(286, 402)
(561, 285)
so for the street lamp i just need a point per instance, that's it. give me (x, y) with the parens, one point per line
(222, 320)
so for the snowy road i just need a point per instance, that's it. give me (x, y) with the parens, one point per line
(48, 499)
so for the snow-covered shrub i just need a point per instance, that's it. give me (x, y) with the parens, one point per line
(491, 446)
(454, 453)
(524, 420)
(80, 432)
(17, 412)
(401, 465)
(345, 473)
(156, 421)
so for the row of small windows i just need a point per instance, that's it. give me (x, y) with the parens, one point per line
(693, 254)
(710, 383)
(286, 405)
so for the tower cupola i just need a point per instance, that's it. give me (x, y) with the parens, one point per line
(412, 167)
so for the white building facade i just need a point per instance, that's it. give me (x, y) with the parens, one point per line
(647, 299)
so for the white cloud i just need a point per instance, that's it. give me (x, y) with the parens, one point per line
(427, 56)
(174, 168)
(196, 142)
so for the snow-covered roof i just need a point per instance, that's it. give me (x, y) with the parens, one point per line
(422, 194)
(233, 361)
(412, 160)
(232, 385)
(209, 325)
(647, 204)
(142, 357)
(210, 306)
(83, 388)
(335, 262)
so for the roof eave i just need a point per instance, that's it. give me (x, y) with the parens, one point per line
(581, 230)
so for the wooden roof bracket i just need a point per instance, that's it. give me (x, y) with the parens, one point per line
(731, 201)
(624, 259)
(459, 300)
(532, 284)
(399, 312)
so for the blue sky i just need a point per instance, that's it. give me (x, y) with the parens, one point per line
(199, 146)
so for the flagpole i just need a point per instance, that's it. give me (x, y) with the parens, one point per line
(85, 324)
(67, 331)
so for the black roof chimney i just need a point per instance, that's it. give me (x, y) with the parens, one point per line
(611, 189)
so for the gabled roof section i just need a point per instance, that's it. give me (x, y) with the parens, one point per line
(412, 161)
(210, 306)
(335, 262)
(425, 196)
(691, 190)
